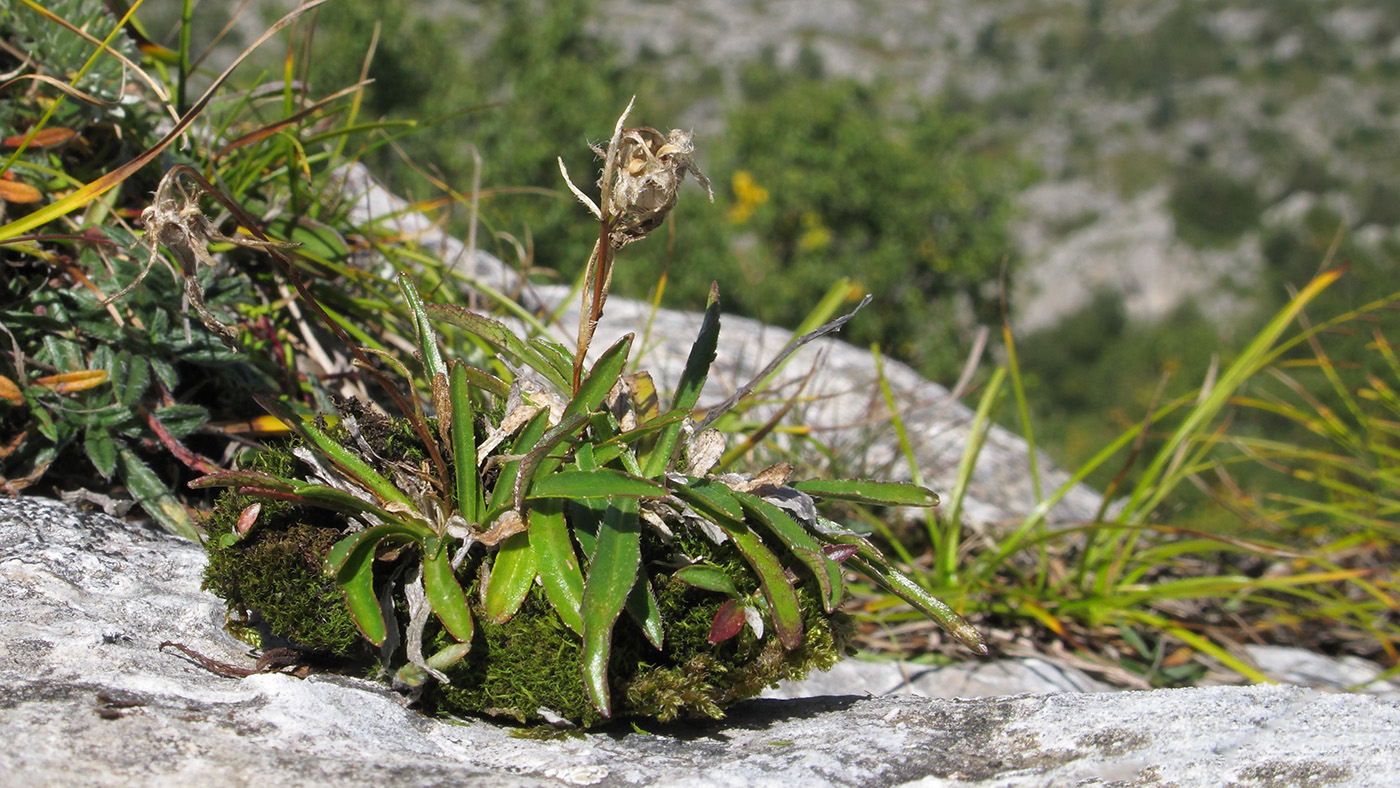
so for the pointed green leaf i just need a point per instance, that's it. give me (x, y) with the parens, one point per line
(446, 596)
(642, 607)
(716, 502)
(149, 490)
(601, 483)
(874, 493)
(697, 369)
(803, 546)
(468, 488)
(611, 577)
(349, 462)
(427, 337)
(777, 589)
(558, 563)
(101, 450)
(512, 574)
(600, 380)
(710, 578)
(361, 600)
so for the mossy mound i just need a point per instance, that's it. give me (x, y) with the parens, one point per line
(531, 663)
(273, 576)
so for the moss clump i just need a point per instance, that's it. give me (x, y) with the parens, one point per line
(532, 662)
(275, 572)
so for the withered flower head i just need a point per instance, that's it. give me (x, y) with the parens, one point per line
(642, 170)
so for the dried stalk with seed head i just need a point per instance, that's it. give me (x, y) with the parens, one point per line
(642, 172)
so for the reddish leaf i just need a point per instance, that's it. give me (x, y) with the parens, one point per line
(14, 191)
(69, 382)
(43, 138)
(840, 552)
(9, 391)
(729, 621)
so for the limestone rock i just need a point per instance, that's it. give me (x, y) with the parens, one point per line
(87, 697)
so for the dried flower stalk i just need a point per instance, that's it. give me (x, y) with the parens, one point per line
(642, 172)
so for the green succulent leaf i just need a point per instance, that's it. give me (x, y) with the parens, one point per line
(512, 574)
(642, 607)
(600, 483)
(101, 450)
(710, 578)
(697, 369)
(423, 329)
(446, 596)
(468, 490)
(361, 600)
(243, 479)
(611, 576)
(802, 544)
(718, 502)
(875, 493)
(558, 563)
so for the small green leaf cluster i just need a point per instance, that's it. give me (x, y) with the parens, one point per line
(88, 385)
(548, 523)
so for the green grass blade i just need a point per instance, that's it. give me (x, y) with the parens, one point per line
(697, 369)
(611, 576)
(512, 574)
(446, 596)
(558, 563)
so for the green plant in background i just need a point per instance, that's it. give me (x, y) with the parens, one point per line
(578, 486)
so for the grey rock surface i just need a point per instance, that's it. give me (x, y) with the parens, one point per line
(88, 698)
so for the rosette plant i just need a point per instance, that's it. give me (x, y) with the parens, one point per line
(545, 540)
